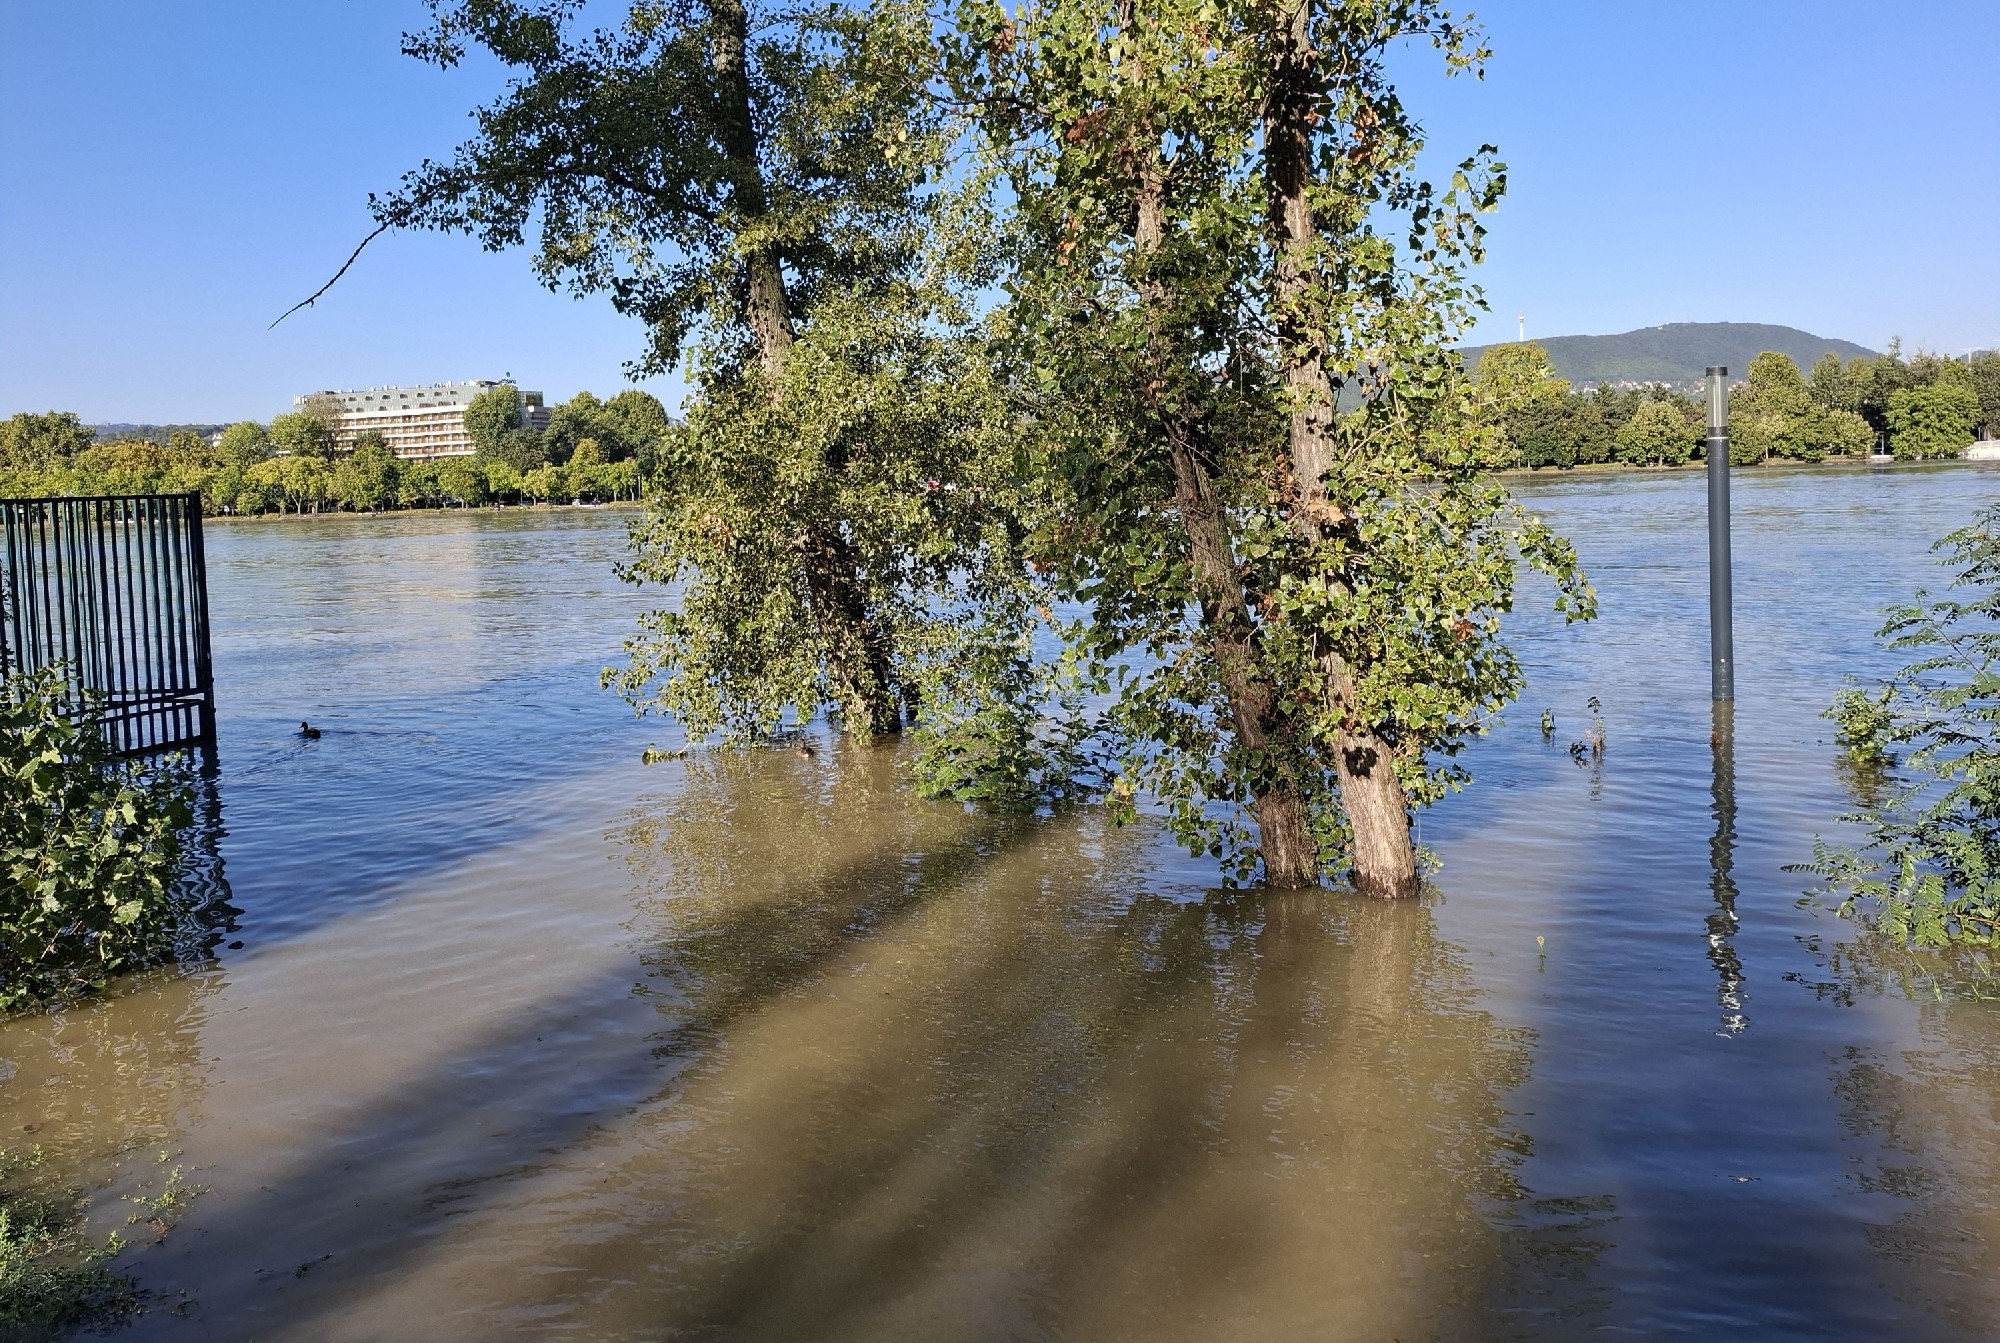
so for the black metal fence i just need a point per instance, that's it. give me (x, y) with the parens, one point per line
(115, 591)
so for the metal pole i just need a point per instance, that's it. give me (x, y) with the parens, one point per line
(1721, 628)
(204, 659)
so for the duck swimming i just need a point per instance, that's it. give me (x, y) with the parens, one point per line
(308, 731)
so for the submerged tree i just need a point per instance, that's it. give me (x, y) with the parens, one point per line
(761, 186)
(1297, 608)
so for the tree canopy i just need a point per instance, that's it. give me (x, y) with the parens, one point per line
(31, 442)
(491, 416)
(1294, 609)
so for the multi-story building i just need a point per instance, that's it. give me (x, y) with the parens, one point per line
(419, 422)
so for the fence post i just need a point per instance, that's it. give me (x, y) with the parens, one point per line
(204, 661)
(1721, 620)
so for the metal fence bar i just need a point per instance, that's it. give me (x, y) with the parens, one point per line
(115, 591)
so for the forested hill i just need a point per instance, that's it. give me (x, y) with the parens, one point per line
(1679, 352)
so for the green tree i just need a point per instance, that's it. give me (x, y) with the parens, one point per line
(1831, 385)
(732, 174)
(1516, 372)
(1985, 369)
(580, 417)
(1846, 434)
(462, 480)
(1658, 434)
(366, 480)
(1778, 414)
(306, 480)
(1935, 420)
(1293, 611)
(31, 442)
(502, 480)
(245, 442)
(521, 449)
(491, 416)
(1874, 381)
(542, 484)
(1529, 403)
(1770, 412)
(640, 425)
(301, 434)
(417, 485)
(1560, 430)
(326, 410)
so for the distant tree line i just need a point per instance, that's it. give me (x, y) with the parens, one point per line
(593, 451)
(1924, 407)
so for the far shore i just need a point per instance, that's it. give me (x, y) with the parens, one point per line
(1515, 473)
(420, 512)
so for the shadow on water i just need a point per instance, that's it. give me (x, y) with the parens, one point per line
(381, 1181)
(917, 1073)
(1927, 1119)
(1029, 1095)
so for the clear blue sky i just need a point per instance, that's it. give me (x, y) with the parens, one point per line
(172, 176)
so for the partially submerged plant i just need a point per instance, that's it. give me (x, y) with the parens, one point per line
(90, 852)
(1930, 874)
(53, 1278)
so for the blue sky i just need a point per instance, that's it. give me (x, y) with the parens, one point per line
(174, 176)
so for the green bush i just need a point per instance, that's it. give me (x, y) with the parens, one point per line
(1931, 874)
(1934, 421)
(90, 853)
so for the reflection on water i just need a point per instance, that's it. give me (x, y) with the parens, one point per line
(1723, 922)
(1929, 1119)
(948, 1076)
(528, 1038)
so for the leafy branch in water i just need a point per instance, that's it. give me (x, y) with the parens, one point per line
(90, 853)
(1930, 874)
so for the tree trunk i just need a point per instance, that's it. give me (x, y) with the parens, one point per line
(1376, 805)
(767, 307)
(1285, 839)
(860, 661)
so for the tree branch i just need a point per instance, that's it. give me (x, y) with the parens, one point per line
(380, 229)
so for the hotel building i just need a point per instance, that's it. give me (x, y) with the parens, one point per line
(419, 422)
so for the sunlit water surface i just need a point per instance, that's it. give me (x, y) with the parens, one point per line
(526, 1037)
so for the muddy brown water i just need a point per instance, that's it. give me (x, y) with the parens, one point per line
(526, 1037)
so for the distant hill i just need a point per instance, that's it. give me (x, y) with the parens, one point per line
(1679, 352)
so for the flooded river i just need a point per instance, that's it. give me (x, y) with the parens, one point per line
(525, 1037)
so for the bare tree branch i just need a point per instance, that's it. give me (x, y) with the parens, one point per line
(380, 229)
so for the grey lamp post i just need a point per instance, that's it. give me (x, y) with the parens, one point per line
(1721, 636)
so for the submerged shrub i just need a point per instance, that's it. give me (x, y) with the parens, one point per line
(1930, 875)
(90, 852)
(53, 1279)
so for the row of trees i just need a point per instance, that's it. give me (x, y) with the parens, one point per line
(630, 427)
(1924, 407)
(602, 452)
